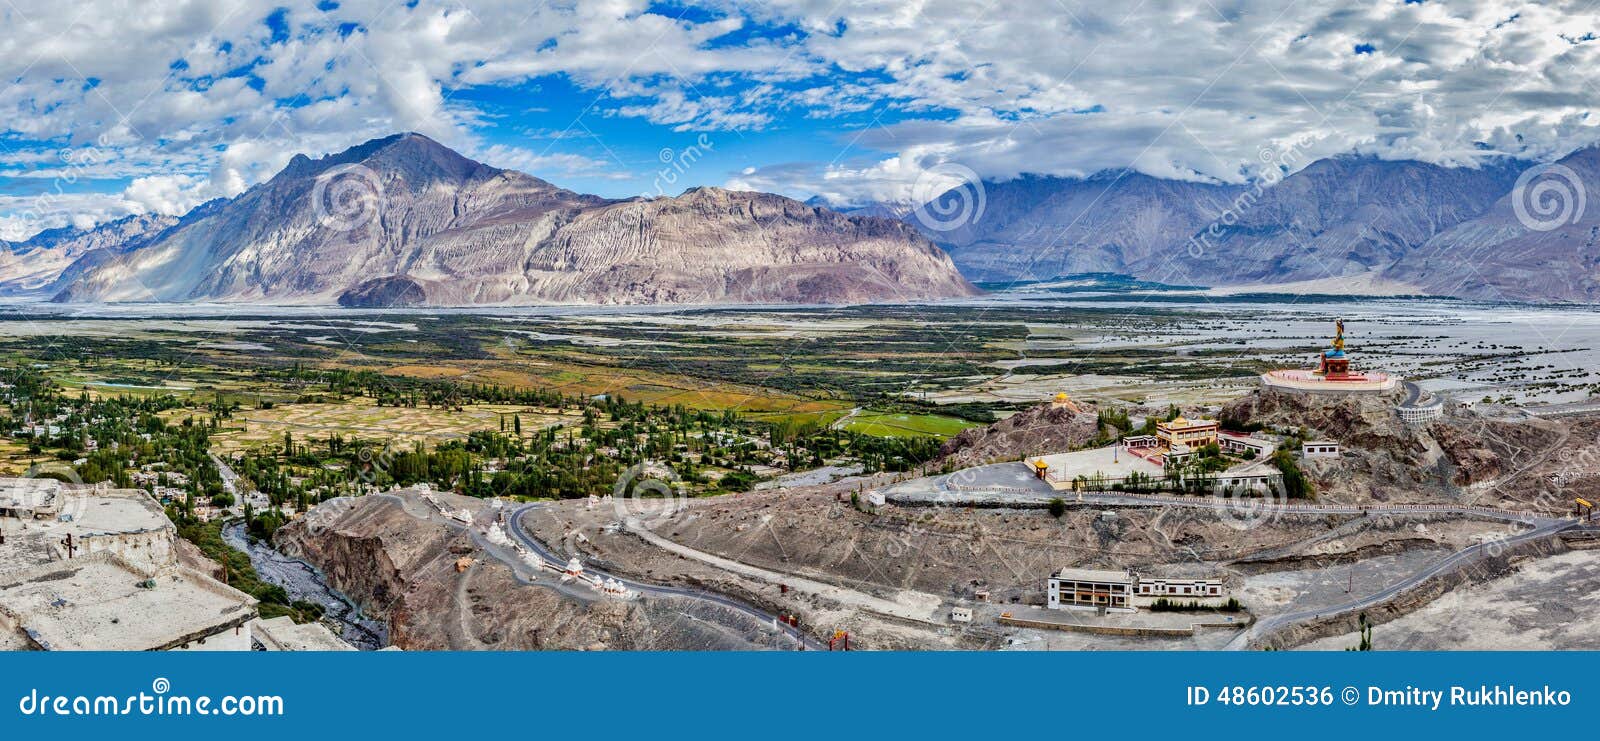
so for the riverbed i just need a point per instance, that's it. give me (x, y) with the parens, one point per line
(304, 582)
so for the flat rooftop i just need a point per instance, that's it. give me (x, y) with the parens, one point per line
(29, 495)
(284, 634)
(1094, 575)
(1112, 461)
(97, 603)
(84, 512)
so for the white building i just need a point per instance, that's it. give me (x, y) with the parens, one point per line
(1179, 589)
(1241, 444)
(283, 634)
(1090, 589)
(1124, 591)
(1319, 449)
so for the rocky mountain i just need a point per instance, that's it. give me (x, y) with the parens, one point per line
(406, 221)
(1337, 217)
(1041, 227)
(1342, 216)
(1041, 427)
(36, 263)
(1550, 252)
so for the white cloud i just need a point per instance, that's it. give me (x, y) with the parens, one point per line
(171, 195)
(202, 89)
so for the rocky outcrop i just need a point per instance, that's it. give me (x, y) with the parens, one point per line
(387, 292)
(417, 216)
(1463, 457)
(401, 570)
(1355, 420)
(1046, 428)
(438, 589)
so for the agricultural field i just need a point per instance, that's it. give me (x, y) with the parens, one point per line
(907, 425)
(361, 417)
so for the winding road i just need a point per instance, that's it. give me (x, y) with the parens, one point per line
(1459, 559)
(533, 544)
(554, 560)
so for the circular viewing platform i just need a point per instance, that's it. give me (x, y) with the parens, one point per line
(1306, 381)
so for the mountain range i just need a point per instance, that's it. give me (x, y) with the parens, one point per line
(1410, 226)
(404, 221)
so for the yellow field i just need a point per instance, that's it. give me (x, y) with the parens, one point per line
(14, 458)
(643, 386)
(362, 418)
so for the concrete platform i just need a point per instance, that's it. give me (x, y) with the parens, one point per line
(103, 603)
(1305, 381)
(1112, 462)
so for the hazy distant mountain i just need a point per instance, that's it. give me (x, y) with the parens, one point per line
(1336, 217)
(883, 209)
(37, 262)
(1041, 227)
(1498, 256)
(405, 220)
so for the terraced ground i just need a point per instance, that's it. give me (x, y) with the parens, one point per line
(361, 418)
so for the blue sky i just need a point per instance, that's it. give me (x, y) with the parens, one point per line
(109, 107)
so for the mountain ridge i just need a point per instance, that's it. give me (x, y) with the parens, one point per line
(1349, 217)
(409, 211)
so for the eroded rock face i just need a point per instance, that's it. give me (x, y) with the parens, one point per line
(402, 569)
(416, 216)
(1462, 457)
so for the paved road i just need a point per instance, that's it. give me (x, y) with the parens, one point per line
(843, 595)
(1309, 508)
(1559, 410)
(1270, 625)
(230, 479)
(1413, 392)
(533, 544)
(553, 559)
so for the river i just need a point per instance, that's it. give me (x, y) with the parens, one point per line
(304, 582)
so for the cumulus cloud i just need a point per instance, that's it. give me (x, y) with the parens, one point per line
(200, 98)
(171, 195)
